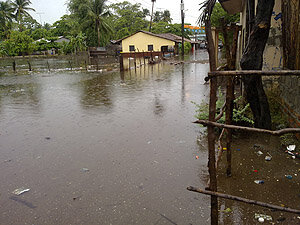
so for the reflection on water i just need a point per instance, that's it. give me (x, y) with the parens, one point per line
(132, 131)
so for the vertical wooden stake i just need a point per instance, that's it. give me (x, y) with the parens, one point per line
(48, 66)
(210, 129)
(228, 120)
(14, 66)
(29, 66)
(86, 66)
(144, 58)
(70, 65)
(121, 62)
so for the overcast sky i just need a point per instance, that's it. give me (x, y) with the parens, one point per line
(49, 11)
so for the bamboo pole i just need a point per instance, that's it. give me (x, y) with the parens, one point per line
(253, 72)
(245, 200)
(228, 121)
(211, 135)
(250, 129)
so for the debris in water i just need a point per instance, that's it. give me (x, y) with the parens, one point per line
(238, 149)
(197, 157)
(85, 170)
(291, 147)
(289, 177)
(259, 182)
(256, 146)
(227, 210)
(8, 160)
(268, 158)
(260, 153)
(262, 217)
(281, 219)
(47, 138)
(261, 220)
(149, 142)
(255, 171)
(20, 191)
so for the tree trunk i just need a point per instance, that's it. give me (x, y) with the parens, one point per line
(253, 60)
(98, 33)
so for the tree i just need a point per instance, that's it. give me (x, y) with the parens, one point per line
(6, 17)
(151, 14)
(252, 59)
(98, 13)
(127, 19)
(166, 16)
(21, 8)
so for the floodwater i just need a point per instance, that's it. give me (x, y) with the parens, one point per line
(103, 148)
(111, 148)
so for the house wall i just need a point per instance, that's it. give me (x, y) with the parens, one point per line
(272, 59)
(141, 41)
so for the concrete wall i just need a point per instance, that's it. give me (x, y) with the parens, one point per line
(141, 41)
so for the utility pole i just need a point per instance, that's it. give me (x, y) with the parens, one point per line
(182, 28)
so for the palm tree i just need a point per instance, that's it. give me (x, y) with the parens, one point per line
(97, 13)
(21, 7)
(151, 14)
(6, 17)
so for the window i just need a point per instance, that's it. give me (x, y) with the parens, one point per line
(150, 48)
(131, 48)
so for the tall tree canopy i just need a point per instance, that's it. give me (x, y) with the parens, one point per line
(21, 8)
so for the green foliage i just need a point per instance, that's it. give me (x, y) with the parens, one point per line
(164, 16)
(219, 12)
(187, 47)
(240, 112)
(19, 43)
(39, 33)
(127, 19)
(21, 8)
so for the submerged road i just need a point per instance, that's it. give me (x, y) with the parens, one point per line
(96, 148)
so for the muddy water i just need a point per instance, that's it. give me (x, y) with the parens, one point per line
(96, 148)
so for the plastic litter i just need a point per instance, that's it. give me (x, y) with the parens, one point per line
(255, 171)
(268, 158)
(20, 191)
(258, 216)
(197, 157)
(261, 220)
(291, 147)
(85, 170)
(289, 177)
(259, 182)
(260, 153)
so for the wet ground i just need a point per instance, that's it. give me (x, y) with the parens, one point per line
(111, 148)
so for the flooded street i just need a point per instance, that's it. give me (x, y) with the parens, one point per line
(96, 148)
(111, 148)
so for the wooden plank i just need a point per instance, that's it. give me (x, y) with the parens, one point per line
(244, 200)
(250, 129)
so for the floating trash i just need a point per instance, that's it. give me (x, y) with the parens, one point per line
(255, 171)
(20, 191)
(197, 157)
(262, 217)
(85, 170)
(260, 153)
(289, 177)
(268, 158)
(291, 147)
(259, 182)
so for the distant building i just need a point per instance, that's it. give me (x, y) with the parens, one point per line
(62, 39)
(144, 41)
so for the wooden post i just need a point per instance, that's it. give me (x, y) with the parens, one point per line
(86, 66)
(14, 65)
(48, 66)
(211, 134)
(144, 58)
(245, 200)
(121, 62)
(228, 120)
(29, 66)
(70, 65)
(134, 61)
